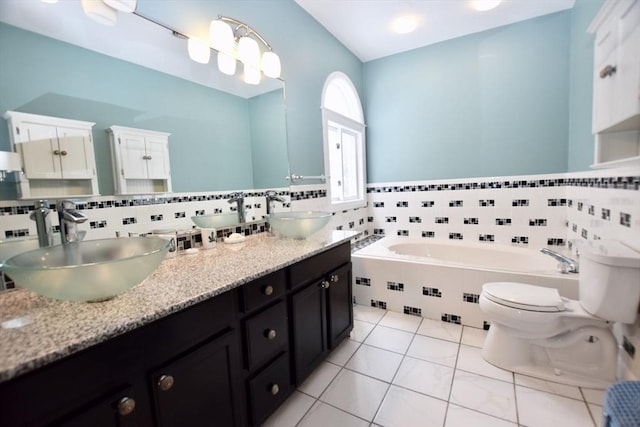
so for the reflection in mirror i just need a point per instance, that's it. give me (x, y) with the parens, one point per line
(223, 138)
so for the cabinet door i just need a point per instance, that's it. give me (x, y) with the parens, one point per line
(76, 153)
(116, 410)
(133, 155)
(308, 317)
(157, 158)
(200, 389)
(628, 63)
(604, 83)
(339, 305)
(40, 152)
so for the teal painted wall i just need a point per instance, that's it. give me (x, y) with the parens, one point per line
(581, 141)
(488, 104)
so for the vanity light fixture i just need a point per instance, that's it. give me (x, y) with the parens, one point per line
(198, 50)
(484, 5)
(235, 40)
(100, 12)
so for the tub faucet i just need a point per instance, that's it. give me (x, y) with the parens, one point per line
(272, 197)
(566, 264)
(239, 199)
(43, 223)
(69, 218)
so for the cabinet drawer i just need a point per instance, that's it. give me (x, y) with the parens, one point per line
(269, 389)
(263, 291)
(317, 266)
(265, 334)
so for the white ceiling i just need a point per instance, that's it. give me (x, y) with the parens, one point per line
(363, 26)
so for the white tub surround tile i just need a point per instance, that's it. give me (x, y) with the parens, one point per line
(403, 407)
(596, 414)
(595, 396)
(558, 410)
(483, 394)
(291, 411)
(458, 416)
(425, 377)
(323, 415)
(375, 362)
(441, 330)
(319, 380)
(341, 355)
(389, 339)
(356, 394)
(434, 350)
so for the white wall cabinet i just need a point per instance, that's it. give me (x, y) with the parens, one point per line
(616, 83)
(140, 160)
(57, 156)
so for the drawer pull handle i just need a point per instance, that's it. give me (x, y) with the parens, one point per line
(270, 334)
(268, 290)
(126, 405)
(325, 284)
(275, 389)
(607, 71)
(334, 278)
(165, 382)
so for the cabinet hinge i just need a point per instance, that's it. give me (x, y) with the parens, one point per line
(122, 172)
(119, 142)
(17, 130)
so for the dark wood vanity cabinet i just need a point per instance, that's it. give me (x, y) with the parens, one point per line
(228, 361)
(321, 307)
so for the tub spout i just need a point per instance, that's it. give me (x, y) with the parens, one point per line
(566, 264)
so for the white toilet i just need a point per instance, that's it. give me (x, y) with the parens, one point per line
(534, 331)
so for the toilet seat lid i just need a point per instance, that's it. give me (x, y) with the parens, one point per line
(524, 296)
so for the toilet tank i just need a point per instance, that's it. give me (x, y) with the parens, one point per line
(609, 280)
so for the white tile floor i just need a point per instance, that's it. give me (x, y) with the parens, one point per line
(401, 370)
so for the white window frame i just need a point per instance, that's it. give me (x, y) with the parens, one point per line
(353, 124)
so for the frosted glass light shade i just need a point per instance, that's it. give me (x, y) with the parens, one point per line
(100, 12)
(221, 36)
(271, 64)
(484, 5)
(126, 6)
(251, 74)
(226, 64)
(199, 51)
(249, 51)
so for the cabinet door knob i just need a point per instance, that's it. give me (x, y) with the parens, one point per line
(165, 382)
(607, 71)
(270, 334)
(126, 405)
(334, 278)
(63, 153)
(56, 152)
(268, 290)
(325, 284)
(275, 389)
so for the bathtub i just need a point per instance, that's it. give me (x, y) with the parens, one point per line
(442, 279)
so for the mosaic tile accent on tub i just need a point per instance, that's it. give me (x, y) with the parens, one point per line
(472, 298)
(451, 318)
(625, 219)
(393, 286)
(486, 238)
(415, 219)
(471, 221)
(413, 311)
(9, 234)
(556, 242)
(486, 325)
(538, 222)
(456, 203)
(98, 224)
(427, 204)
(520, 240)
(378, 304)
(503, 221)
(431, 292)
(179, 215)
(402, 204)
(429, 234)
(606, 214)
(403, 232)
(520, 202)
(487, 203)
(456, 236)
(363, 281)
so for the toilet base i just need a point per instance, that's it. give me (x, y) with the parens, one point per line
(585, 357)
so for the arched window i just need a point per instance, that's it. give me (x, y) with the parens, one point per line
(344, 141)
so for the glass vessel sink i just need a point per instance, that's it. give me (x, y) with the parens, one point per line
(93, 270)
(215, 220)
(298, 225)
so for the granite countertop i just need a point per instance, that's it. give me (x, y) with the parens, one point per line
(35, 330)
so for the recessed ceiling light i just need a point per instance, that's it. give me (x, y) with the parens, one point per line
(483, 5)
(404, 24)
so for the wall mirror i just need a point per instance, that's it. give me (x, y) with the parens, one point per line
(225, 134)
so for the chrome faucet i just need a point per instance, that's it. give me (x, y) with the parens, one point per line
(566, 264)
(43, 223)
(239, 199)
(272, 197)
(69, 218)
